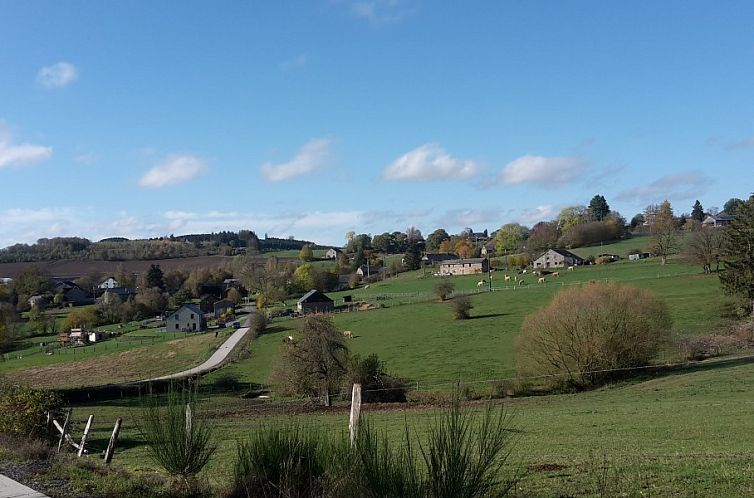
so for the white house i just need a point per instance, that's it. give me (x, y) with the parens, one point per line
(109, 283)
(557, 258)
(331, 253)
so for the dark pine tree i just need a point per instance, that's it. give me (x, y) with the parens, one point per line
(598, 208)
(737, 276)
(697, 211)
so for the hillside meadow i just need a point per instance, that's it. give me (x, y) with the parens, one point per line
(686, 433)
(417, 338)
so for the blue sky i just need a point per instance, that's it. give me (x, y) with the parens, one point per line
(314, 118)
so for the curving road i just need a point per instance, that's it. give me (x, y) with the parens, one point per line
(215, 361)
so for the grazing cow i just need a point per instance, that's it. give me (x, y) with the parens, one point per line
(347, 333)
(289, 340)
(524, 271)
(570, 268)
(366, 286)
(507, 277)
(481, 283)
(556, 274)
(541, 280)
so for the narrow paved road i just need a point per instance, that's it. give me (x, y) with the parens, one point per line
(214, 361)
(12, 489)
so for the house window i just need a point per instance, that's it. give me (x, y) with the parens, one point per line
(176, 326)
(192, 316)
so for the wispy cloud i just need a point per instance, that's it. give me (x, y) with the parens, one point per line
(462, 218)
(543, 171)
(293, 63)
(430, 162)
(313, 156)
(173, 169)
(684, 185)
(19, 154)
(380, 11)
(57, 75)
(534, 215)
(746, 143)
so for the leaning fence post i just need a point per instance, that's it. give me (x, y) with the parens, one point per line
(353, 423)
(113, 438)
(66, 425)
(86, 435)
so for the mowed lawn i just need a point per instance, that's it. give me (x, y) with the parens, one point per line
(690, 433)
(421, 341)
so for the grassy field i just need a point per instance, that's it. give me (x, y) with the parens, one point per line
(124, 359)
(688, 433)
(417, 338)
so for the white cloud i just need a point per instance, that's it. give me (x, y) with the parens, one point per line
(58, 75)
(173, 169)
(543, 171)
(468, 217)
(380, 11)
(24, 154)
(531, 216)
(312, 156)
(430, 162)
(683, 185)
(294, 63)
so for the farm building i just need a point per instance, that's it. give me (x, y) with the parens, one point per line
(109, 283)
(638, 256)
(122, 293)
(557, 258)
(366, 271)
(332, 253)
(467, 266)
(433, 258)
(489, 247)
(315, 301)
(720, 219)
(187, 318)
(222, 306)
(609, 258)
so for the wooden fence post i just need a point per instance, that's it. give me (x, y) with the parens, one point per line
(188, 425)
(113, 438)
(66, 426)
(86, 435)
(353, 423)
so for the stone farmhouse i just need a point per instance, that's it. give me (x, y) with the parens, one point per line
(468, 266)
(557, 258)
(187, 318)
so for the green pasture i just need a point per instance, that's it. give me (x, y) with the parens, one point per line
(688, 433)
(417, 338)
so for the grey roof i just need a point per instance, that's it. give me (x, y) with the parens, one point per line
(722, 216)
(190, 306)
(314, 292)
(461, 261)
(565, 253)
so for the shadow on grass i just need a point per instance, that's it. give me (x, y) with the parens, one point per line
(487, 315)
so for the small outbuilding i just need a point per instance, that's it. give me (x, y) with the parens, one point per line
(468, 266)
(188, 318)
(222, 306)
(315, 301)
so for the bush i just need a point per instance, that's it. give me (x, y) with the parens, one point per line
(710, 346)
(376, 385)
(23, 410)
(25, 448)
(280, 462)
(227, 381)
(443, 289)
(587, 330)
(259, 322)
(462, 307)
(466, 456)
(182, 446)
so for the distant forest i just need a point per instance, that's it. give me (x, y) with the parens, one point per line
(121, 249)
